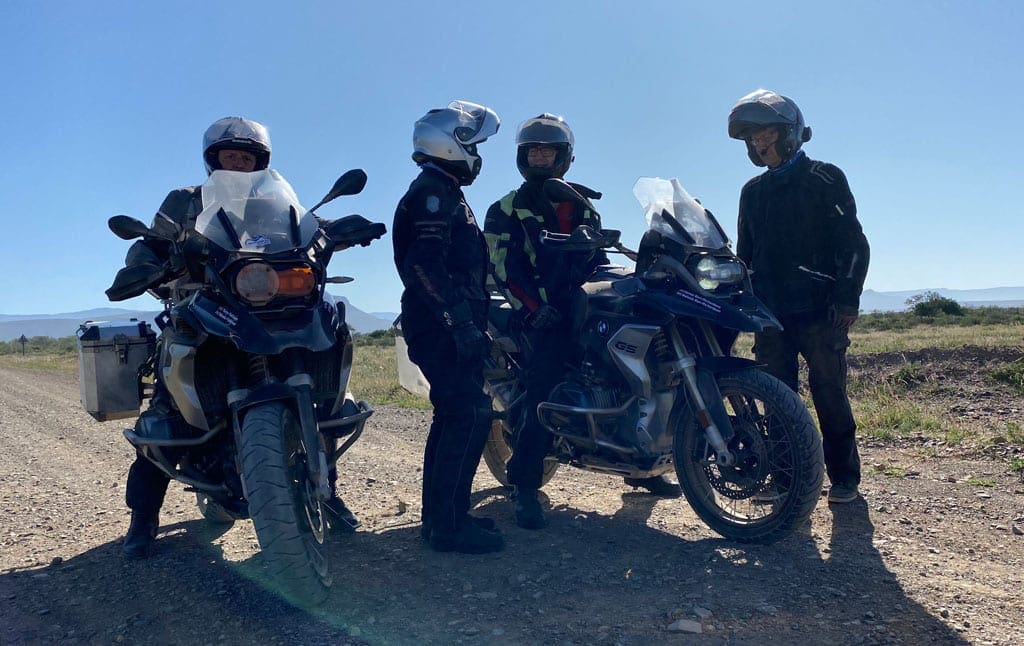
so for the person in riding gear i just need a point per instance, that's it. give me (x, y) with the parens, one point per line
(798, 233)
(538, 282)
(235, 144)
(441, 258)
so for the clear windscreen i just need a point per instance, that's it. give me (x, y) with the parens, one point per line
(670, 210)
(254, 212)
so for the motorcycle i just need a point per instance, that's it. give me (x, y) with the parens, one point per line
(651, 386)
(256, 358)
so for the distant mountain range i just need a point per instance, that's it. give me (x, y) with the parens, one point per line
(872, 301)
(12, 326)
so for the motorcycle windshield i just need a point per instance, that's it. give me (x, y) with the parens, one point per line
(673, 213)
(254, 212)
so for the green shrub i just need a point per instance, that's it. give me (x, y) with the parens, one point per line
(932, 304)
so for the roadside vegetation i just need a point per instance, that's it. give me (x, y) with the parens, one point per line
(906, 399)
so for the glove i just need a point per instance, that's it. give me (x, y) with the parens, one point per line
(543, 317)
(470, 343)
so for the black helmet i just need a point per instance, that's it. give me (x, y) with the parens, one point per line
(544, 130)
(236, 133)
(764, 108)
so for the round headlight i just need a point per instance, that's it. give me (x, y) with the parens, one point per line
(713, 272)
(257, 283)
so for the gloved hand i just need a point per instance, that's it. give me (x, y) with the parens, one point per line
(470, 343)
(543, 317)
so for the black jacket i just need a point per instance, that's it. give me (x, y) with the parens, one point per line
(180, 208)
(529, 273)
(799, 235)
(440, 255)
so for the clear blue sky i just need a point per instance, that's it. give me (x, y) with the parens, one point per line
(104, 106)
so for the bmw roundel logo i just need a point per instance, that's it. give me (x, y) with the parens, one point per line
(602, 327)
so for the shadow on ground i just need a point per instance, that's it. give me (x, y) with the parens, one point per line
(588, 578)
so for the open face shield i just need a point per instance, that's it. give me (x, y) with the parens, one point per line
(475, 122)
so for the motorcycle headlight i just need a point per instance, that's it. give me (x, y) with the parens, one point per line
(712, 272)
(257, 283)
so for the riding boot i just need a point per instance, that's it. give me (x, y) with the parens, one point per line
(339, 516)
(528, 510)
(140, 536)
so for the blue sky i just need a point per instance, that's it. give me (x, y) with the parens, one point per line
(104, 106)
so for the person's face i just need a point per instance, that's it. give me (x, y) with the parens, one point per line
(541, 156)
(238, 160)
(763, 141)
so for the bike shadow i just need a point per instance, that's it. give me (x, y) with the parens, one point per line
(588, 577)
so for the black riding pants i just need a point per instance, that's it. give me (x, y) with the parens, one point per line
(823, 346)
(545, 356)
(458, 432)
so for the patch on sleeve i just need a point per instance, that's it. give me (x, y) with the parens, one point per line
(433, 203)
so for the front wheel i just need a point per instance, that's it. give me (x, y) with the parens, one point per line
(775, 481)
(287, 516)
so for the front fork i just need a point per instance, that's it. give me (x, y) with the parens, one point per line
(301, 384)
(687, 365)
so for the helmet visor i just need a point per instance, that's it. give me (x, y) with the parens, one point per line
(543, 131)
(475, 122)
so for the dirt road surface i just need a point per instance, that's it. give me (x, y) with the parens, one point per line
(932, 554)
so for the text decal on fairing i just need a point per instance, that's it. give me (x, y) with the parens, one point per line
(226, 315)
(697, 299)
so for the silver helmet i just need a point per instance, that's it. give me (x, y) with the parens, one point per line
(448, 137)
(547, 130)
(761, 109)
(236, 133)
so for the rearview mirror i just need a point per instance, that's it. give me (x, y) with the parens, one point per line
(558, 190)
(350, 183)
(127, 227)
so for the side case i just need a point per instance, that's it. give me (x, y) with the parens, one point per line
(110, 355)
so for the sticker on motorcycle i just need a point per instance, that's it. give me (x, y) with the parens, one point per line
(697, 299)
(226, 315)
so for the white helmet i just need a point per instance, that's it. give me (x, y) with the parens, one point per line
(448, 138)
(236, 133)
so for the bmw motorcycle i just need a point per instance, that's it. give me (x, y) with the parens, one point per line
(256, 358)
(651, 386)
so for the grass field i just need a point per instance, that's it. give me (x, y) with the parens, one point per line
(903, 402)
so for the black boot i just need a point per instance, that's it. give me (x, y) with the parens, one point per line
(484, 523)
(657, 485)
(339, 516)
(528, 510)
(469, 538)
(140, 536)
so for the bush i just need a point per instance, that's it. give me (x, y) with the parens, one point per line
(931, 304)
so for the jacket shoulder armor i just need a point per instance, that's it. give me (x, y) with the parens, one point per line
(824, 172)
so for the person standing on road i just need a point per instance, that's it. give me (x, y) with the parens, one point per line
(234, 144)
(538, 284)
(441, 258)
(798, 233)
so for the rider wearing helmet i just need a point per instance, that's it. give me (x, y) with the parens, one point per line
(442, 261)
(538, 283)
(798, 233)
(235, 144)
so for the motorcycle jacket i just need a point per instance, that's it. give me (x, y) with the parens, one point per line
(530, 274)
(798, 233)
(178, 212)
(440, 255)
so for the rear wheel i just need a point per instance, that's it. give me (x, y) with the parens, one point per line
(775, 482)
(288, 518)
(498, 451)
